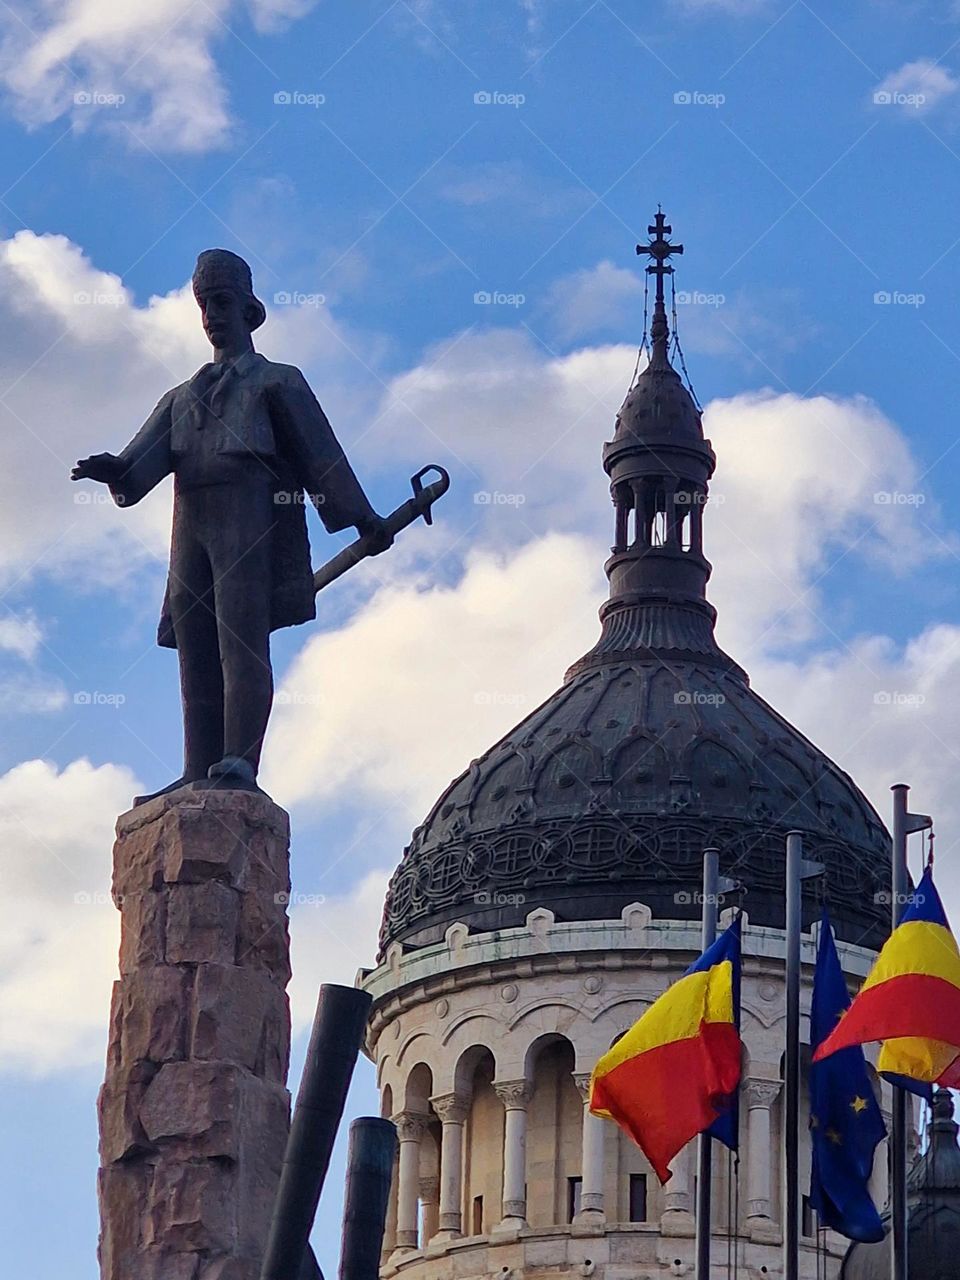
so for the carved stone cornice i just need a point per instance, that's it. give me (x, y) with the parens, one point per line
(514, 1094)
(452, 1108)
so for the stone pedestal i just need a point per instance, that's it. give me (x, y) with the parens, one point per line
(194, 1111)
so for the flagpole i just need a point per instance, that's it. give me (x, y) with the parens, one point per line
(791, 1067)
(904, 824)
(798, 869)
(708, 935)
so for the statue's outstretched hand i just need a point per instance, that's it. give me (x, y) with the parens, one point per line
(375, 534)
(105, 467)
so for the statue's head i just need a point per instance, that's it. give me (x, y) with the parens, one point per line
(223, 288)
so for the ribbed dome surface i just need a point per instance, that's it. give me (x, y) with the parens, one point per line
(658, 402)
(610, 791)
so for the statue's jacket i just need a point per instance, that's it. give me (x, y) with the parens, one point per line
(260, 418)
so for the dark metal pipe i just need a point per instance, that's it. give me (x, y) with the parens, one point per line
(708, 935)
(335, 1040)
(373, 1147)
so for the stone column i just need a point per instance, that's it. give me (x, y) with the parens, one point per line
(390, 1228)
(194, 1111)
(880, 1177)
(514, 1094)
(452, 1109)
(410, 1127)
(592, 1166)
(760, 1096)
(677, 1218)
(430, 1202)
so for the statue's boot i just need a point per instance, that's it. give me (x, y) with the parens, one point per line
(183, 781)
(232, 773)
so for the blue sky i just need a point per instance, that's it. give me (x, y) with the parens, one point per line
(381, 165)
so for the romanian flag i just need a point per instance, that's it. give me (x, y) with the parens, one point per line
(911, 998)
(677, 1070)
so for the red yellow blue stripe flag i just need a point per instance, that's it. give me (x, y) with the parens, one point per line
(910, 999)
(677, 1070)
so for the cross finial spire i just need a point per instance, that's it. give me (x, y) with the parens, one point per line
(659, 250)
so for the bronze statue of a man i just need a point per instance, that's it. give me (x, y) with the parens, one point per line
(245, 440)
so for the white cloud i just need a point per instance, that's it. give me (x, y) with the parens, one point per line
(888, 714)
(438, 674)
(20, 635)
(597, 298)
(779, 519)
(331, 937)
(58, 928)
(917, 86)
(147, 67)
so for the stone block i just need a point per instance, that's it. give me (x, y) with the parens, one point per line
(191, 1207)
(192, 836)
(151, 1015)
(160, 1264)
(263, 940)
(229, 1269)
(241, 1016)
(118, 1107)
(195, 1106)
(202, 923)
(141, 930)
(137, 863)
(122, 1194)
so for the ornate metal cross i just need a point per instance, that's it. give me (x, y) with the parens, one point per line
(659, 249)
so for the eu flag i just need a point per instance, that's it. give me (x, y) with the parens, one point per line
(845, 1120)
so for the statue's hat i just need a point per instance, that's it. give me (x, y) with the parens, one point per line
(221, 269)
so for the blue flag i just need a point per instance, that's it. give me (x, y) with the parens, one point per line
(845, 1120)
(726, 1127)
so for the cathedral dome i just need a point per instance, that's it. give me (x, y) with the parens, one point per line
(654, 748)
